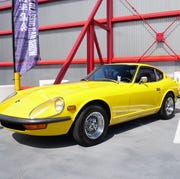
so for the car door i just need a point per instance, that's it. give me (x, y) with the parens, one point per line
(145, 96)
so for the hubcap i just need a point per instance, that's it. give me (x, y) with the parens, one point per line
(94, 125)
(169, 106)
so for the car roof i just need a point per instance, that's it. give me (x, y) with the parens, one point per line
(138, 64)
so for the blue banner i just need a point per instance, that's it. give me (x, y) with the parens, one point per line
(26, 34)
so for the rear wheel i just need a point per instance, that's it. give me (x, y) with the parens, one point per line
(168, 107)
(91, 126)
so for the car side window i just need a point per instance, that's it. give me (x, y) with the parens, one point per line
(146, 72)
(127, 74)
(159, 75)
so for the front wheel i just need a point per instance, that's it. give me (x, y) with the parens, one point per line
(168, 107)
(91, 126)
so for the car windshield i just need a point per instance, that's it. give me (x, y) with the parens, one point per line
(119, 73)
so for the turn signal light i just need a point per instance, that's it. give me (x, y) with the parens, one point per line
(35, 126)
(71, 108)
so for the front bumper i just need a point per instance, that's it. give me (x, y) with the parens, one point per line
(17, 123)
(16, 120)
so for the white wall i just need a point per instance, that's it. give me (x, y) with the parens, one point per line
(5, 91)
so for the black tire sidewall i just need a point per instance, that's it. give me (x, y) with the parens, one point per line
(163, 113)
(79, 132)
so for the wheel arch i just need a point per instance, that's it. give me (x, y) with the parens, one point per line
(101, 103)
(167, 111)
(167, 93)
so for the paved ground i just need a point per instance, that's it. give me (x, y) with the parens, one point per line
(141, 149)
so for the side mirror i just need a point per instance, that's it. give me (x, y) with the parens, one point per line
(143, 79)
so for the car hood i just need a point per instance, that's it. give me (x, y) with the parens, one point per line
(24, 101)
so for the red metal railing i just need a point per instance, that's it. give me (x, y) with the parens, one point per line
(6, 7)
(159, 36)
(88, 27)
(156, 15)
(105, 24)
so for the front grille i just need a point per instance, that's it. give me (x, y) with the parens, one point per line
(13, 126)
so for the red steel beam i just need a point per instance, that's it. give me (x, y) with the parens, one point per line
(51, 27)
(96, 60)
(90, 48)
(122, 18)
(77, 44)
(164, 58)
(155, 15)
(100, 21)
(110, 30)
(6, 64)
(9, 6)
(52, 62)
(159, 36)
(98, 49)
(114, 20)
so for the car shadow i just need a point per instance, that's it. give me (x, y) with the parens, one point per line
(126, 126)
(123, 127)
(44, 141)
(67, 140)
(177, 110)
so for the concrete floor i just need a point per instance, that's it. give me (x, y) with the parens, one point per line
(140, 149)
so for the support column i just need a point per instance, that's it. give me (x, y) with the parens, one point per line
(110, 31)
(90, 48)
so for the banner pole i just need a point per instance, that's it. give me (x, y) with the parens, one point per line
(17, 81)
(16, 74)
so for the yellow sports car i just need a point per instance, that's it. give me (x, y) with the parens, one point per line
(111, 94)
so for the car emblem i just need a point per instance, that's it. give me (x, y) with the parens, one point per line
(17, 101)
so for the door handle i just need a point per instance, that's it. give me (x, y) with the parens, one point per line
(158, 89)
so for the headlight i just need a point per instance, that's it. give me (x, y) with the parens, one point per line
(47, 109)
(59, 105)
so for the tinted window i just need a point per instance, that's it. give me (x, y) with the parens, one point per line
(146, 72)
(124, 73)
(159, 75)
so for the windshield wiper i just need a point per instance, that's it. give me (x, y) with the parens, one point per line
(108, 79)
(84, 79)
(101, 79)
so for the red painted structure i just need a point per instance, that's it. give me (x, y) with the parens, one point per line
(107, 25)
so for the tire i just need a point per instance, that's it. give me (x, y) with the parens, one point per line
(168, 107)
(91, 126)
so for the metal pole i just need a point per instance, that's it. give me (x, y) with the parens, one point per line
(16, 74)
(13, 36)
